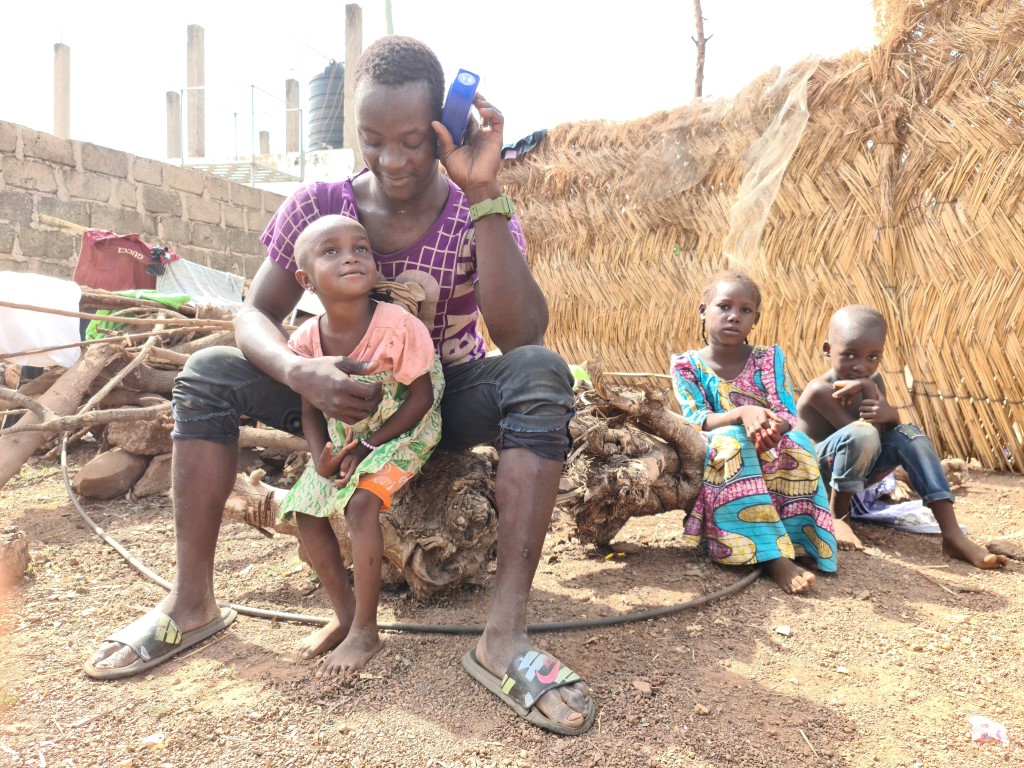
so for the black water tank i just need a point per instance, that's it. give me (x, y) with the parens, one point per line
(327, 107)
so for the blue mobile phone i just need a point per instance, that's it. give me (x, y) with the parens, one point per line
(455, 115)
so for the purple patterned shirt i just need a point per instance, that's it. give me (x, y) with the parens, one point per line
(443, 261)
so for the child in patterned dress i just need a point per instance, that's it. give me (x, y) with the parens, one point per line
(763, 501)
(357, 468)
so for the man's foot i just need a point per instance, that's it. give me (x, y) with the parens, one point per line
(113, 655)
(846, 539)
(962, 548)
(359, 647)
(789, 576)
(323, 639)
(566, 705)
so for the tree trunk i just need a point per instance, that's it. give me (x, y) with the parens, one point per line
(442, 530)
(439, 534)
(63, 398)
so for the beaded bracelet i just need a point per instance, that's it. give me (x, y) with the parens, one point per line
(370, 446)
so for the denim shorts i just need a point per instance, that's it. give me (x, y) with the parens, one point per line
(522, 399)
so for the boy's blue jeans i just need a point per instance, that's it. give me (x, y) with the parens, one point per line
(857, 456)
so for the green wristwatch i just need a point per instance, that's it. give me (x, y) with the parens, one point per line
(502, 205)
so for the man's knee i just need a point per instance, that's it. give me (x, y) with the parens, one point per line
(540, 399)
(202, 396)
(545, 371)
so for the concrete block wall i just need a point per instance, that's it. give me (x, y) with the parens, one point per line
(206, 219)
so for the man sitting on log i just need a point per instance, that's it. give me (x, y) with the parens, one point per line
(459, 239)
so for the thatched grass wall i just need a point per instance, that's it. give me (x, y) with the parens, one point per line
(891, 178)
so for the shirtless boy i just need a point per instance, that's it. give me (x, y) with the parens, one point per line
(859, 438)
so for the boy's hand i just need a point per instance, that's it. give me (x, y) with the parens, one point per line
(878, 412)
(328, 462)
(847, 389)
(350, 462)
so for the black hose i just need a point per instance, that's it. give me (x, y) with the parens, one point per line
(440, 629)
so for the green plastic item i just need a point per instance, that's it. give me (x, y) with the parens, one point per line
(108, 327)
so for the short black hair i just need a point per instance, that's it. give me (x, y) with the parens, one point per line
(860, 318)
(397, 60)
(730, 276)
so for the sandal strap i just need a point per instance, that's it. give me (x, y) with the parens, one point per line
(151, 635)
(532, 674)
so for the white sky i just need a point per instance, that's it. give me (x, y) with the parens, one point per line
(542, 62)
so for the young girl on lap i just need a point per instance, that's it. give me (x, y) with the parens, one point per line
(763, 501)
(377, 455)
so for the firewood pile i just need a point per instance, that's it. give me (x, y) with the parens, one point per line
(632, 456)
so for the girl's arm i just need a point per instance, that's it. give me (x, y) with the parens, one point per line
(693, 403)
(314, 427)
(779, 387)
(418, 402)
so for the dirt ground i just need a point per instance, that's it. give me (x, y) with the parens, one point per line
(882, 665)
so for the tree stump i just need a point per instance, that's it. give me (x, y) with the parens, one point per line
(439, 534)
(632, 457)
(14, 556)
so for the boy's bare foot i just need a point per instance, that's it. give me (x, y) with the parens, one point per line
(359, 647)
(323, 639)
(789, 576)
(964, 549)
(846, 539)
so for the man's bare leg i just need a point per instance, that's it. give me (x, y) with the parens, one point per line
(525, 487)
(956, 544)
(839, 505)
(204, 473)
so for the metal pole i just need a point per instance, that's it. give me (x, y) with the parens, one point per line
(302, 149)
(252, 136)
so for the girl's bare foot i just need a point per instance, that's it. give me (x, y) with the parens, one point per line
(359, 647)
(962, 548)
(789, 576)
(323, 639)
(845, 537)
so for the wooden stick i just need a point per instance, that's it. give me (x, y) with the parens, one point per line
(96, 299)
(91, 419)
(53, 221)
(129, 337)
(185, 321)
(119, 376)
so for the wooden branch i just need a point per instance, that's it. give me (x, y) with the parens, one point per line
(13, 396)
(701, 43)
(91, 419)
(252, 437)
(97, 299)
(218, 339)
(62, 398)
(183, 322)
(140, 358)
(128, 337)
